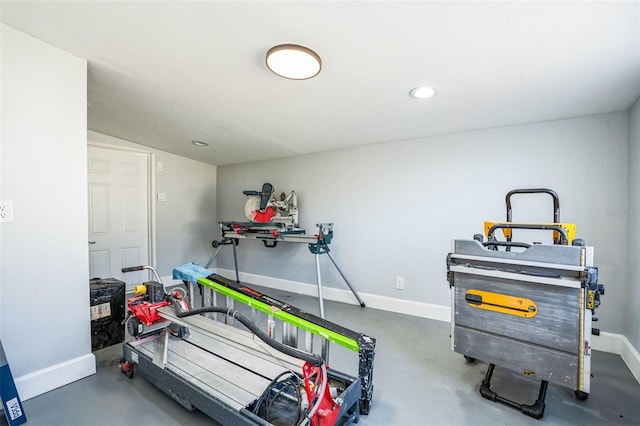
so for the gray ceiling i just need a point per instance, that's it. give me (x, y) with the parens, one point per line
(163, 73)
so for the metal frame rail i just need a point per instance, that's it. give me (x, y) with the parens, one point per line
(233, 232)
(221, 370)
(294, 319)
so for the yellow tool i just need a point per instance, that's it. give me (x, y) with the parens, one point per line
(498, 302)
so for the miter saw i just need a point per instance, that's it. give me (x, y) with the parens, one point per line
(272, 221)
(262, 207)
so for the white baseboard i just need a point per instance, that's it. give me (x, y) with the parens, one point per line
(620, 345)
(384, 303)
(607, 342)
(44, 380)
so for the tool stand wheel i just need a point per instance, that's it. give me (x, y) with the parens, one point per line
(469, 359)
(581, 396)
(127, 369)
(134, 327)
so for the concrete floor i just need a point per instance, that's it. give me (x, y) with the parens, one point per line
(418, 380)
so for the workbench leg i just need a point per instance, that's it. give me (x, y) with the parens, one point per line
(215, 254)
(235, 262)
(353, 290)
(325, 350)
(320, 299)
(325, 342)
(289, 335)
(308, 342)
(207, 299)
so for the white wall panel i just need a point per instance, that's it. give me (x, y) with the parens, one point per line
(44, 251)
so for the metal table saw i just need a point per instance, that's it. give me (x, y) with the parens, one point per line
(530, 310)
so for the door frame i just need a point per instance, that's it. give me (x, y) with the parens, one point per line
(151, 188)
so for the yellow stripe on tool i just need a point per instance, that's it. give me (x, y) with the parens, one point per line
(569, 228)
(511, 305)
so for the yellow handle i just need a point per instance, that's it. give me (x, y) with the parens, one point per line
(140, 289)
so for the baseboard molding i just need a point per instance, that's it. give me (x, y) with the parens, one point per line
(384, 303)
(620, 345)
(44, 380)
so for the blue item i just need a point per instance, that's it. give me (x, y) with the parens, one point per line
(190, 272)
(9, 394)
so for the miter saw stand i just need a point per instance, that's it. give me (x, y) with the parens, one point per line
(272, 221)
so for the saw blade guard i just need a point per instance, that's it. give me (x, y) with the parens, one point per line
(283, 210)
(253, 213)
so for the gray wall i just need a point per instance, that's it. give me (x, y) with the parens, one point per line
(186, 223)
(633, 292)
(396, 206)
(44, 267)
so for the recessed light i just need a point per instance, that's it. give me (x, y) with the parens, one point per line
(423, 92)
(293, 61)
(199, 143)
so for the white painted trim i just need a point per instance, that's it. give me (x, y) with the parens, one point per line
(52, 377)
(618, 344)
(408, 307)
(116, 147)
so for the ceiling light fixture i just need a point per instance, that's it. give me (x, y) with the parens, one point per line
(199, 143)
(293, 61)
(423, 92)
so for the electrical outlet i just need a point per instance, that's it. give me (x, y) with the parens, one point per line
(399, 283)
(6, 211)
(162, 197)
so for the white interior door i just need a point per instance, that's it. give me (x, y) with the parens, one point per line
(118, 213)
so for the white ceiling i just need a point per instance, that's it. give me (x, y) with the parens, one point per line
(163, 73)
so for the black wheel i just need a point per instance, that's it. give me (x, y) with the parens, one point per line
(581, 396)
(469, 359)
(215, 244)
(134, 326)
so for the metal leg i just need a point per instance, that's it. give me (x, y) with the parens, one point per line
(214, 301)
(353, 290)
(535, 410)
(325, 350)
(215, 254)
(230, 305)
(235, 261)
(289, 335)
(325, 343)
(271, 326)
(308, 342)
(161, 349)
(207, 300)
(320, 299)
(191, 288)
